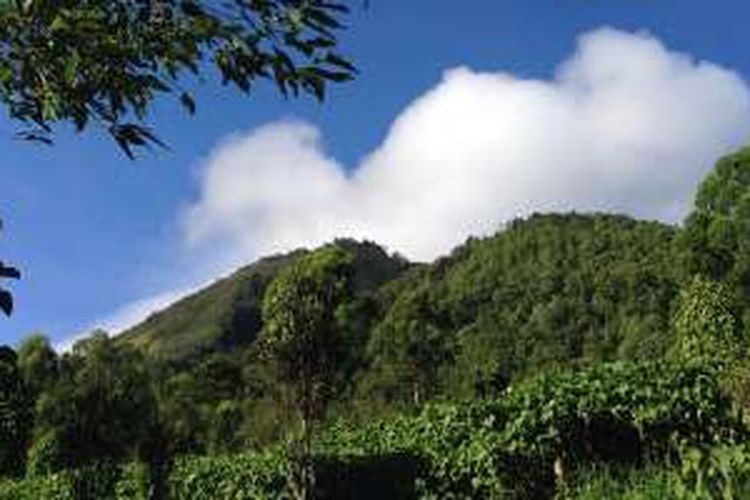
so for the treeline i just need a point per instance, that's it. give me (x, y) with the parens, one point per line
(550, 295)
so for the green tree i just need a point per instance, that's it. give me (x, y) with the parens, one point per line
(102, 407)
(105, 61)
(548, 292)
(717, 231)
(38, 363)
(15, 415)
(409, 349)
(705, 324)
(182, 422)
(225, 426)
(299, 311)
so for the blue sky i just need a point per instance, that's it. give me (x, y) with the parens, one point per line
(94, 232)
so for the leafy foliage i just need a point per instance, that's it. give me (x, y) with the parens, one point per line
(622, 413)
(550, 291)
(6, 299)
(721, 471)
(15, 415)
(652, 482)
(299, 311)
(103, 480)
(716, 231)
(106, 61)
(408, 350)
(705, 323)
(38, 363)
(716, 234)
(101, 407)
(503, 447)
(245, 476)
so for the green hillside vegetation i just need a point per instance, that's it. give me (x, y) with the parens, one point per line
(547, 292)
(569, 355)
(227, 314)
(224, 315)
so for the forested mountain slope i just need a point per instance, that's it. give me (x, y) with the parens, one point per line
(227, 314)
(546, 292)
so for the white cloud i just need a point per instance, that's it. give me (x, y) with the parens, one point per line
(625, 125)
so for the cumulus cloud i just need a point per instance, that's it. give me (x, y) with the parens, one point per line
(625, 125)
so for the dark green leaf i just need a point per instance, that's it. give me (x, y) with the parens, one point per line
(188, 102)
(9, 272)
(6, 302)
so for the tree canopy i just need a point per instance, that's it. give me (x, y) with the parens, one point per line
(105, 61)
(15, 414)
(717, 232)
(299, 311)
(100, 406)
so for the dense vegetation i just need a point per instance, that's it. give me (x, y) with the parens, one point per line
(579, 355)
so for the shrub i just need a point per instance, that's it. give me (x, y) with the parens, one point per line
(618, 413)
(54, 486)
(623, 415)
(94, 482)
(721, 471)
(252, 475)
(46, 455)
(652, 482)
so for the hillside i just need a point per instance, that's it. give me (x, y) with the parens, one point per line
(546, 292)
(227, 314)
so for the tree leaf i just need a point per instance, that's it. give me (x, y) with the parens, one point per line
(6, 302)
(9, 272)
(187, 101)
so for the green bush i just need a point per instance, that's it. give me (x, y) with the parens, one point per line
(721, 471)
(53, 487)
(45, 455)
(134, 482)
(457, 452)
(660, 405)
(252, 475)
(704, 473)
(612, 483)
(530, 443)
(615, 413)
(94, 482)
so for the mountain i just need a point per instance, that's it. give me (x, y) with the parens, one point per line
(227, 314)
(545, 292)
(549, 291)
